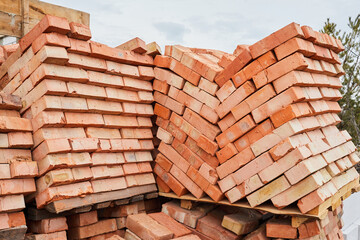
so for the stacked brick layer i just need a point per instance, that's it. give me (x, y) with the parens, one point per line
(259, 124)
(17, 168)
(90, 108)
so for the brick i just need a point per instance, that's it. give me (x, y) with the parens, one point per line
(146, 227)
(84, 119)
(209, 114)
(51, 71)
(11, 220)
(162, 61)
(5, 171)
(63, 192)
(293, 94)
(52, 39)
(51, 146)
(136, 84)
(23, 169)
(79, 31)
(295, 45)
(171, 78)
(275, 39)
(254, 135)
(15, 124)
(20, 139)
(83, 144)
(243, 222)
(268, 191)
(186, 181)
(86, 62)
(103, 226)
(17, 186)
(253, 101)
(187, 154)
(199, 123)
(252, 168)
(12, 203)
(248, 186)
(136, 44)
(235, 163)
(79, 46)
(208, 86)
(192, 145)
(169, 103)
(175, 227)
(225, 91)
(170, 181)
(235, 131)
(300, 189)
(174, 157)
(235, 98)
(283, 164)
(211, 226)
(236, 65)
(53, 178)
(84, 90)
(52, 133)
(187, 217)
(280, 228)
(47, 24)
(161, 111)
(48, 225)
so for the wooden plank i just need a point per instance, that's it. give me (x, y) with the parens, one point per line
(37, 10)
(17, 17)
(291, 210)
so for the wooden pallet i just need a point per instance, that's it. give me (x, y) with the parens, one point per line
(318, 212)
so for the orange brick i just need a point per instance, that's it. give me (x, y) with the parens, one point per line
(23, 169)
(225, 91)
(51, 146)
(275, 39)
(162, 61)
(81, 119)
(235, 98)
(136, 44)
(280, 228)
(52, 39)
(17, 186)
(79, 31)
(47, 24)
(175, 227)
(79, 46)
(174, 156)
(170, 181)
(48, 225)
(161, 111)
(20, 140)
(162, 185)
(209, 114)
(87, 231)
(186, 181)
(225, 153)
(236, 131)
(82, 219)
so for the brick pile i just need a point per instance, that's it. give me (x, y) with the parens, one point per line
(259, 124)
(207, 222)
(17, 168)
(90, 108)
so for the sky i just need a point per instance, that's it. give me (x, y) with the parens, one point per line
(221, 24)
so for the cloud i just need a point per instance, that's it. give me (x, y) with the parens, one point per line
(174, 32)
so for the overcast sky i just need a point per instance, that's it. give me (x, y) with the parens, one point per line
(216, 24)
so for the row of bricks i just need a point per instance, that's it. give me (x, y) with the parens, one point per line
(52, 87)
(29, 65)
(64, 145)
(90, 132)
(245, 99)
(286, 164)
(295, 166)
(269, 43)
(65, 176)
(76, 104)
(61, 26)
(74, 119)
(288, 113)
(74, 190)
(263, 63)
(264, 143)
(70, 160)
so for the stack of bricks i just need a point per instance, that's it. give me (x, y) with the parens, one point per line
(90, 108)
(185, 98)
(268, 113)
(17, 170)
(47, 228)
(210, 222)
(6, 51)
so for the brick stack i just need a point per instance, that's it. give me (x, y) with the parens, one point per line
(268, 113)
(17, 170)
(207, 221)
(90, 107)
(186, 119)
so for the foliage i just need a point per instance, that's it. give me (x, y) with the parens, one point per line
(350, 103)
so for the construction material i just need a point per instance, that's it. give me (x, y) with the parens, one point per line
(259, 124)
(90, 108)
